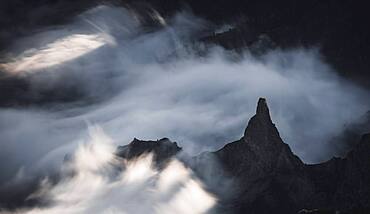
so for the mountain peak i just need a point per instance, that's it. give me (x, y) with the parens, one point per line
(260, 127)
(262, 108)
(162, 149)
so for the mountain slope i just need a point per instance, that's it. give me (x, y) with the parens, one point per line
(260, 174)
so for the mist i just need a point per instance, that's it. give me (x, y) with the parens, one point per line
(92, 183)
(153, 81)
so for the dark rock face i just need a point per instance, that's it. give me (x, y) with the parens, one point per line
(271, 179)
(269, 176)
(344, 183)
(260, 174)
(349, 138)
(162, 149)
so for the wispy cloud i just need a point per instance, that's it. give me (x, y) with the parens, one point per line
(153, 84)
(92, 183)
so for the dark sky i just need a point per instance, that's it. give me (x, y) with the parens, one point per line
(339, 28)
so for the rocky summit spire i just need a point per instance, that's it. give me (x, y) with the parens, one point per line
(263, 109)
(262, 137)
(260, 128)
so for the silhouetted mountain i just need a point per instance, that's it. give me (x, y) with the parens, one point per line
(352, 134)
(260, 174)
(271, 179)
(162, 149)
(266, 177)
(344, 183)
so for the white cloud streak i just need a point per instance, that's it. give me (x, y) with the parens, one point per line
(162, 88)
(89, 184)
(60, 51)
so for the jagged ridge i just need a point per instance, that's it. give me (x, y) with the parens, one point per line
(268, 178)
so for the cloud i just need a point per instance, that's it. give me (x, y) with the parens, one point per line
(158, 82)
(60, 51)
(91, 183)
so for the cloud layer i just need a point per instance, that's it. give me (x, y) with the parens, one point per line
(92, 183)
(153, 83)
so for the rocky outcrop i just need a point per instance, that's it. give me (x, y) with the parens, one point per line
(267, 175)
(260, 174)
(162, 149)
(269, 178)
(344, 184)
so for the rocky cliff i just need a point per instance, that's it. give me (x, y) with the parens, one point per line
(260, 174)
